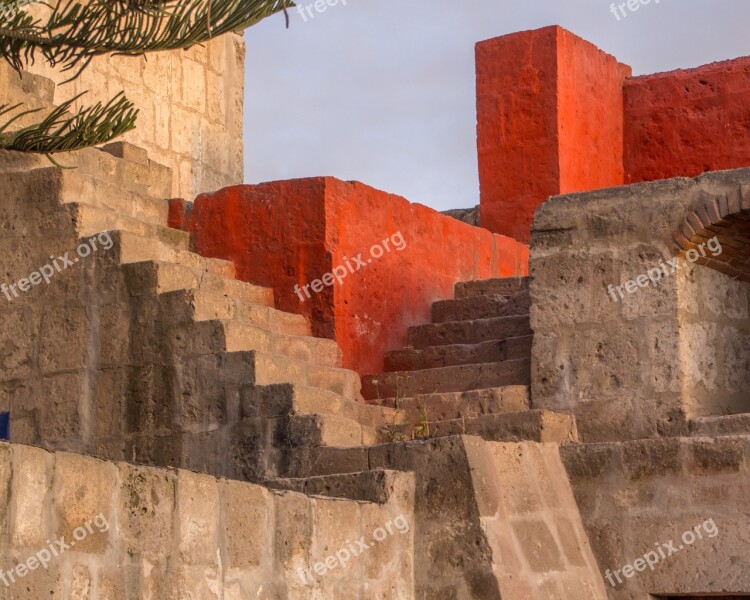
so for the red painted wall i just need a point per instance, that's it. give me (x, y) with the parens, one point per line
(684, 123)
(292, 232)
(549, 121)
(516, 128)
(589, 117)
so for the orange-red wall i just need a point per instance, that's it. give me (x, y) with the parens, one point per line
(292, 232)
(684, 123)
(589, 118)
(556, 115)
(549, 121)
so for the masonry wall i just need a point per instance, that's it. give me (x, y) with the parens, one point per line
(640, 365)
(292, 233)
(191, 108)
(636, 497)
(686, 122)
(549, 121)
(556, 115)
(179, 534)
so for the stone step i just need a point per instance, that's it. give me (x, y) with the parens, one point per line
(84, 189)
(481, 307)
(433, 357)
(530, 425)
(468, 332)
(200, 296)
(217, 336)
(132, 248)
(260, 368)
(240, 336)
(738, 424)
(406, 384)
(503, 286)
(281, 400)
(312, 431)
(90, 221)
(275, 368)
(448, 406)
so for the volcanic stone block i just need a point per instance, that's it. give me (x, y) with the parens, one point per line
(32, 475)
(146, 505)
(540, 130)
(82, 494)
(247, 512)
(197, 519)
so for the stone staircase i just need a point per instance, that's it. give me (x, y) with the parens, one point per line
(200, 332)
(468, 371)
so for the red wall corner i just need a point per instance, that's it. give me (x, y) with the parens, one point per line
(289, 233)
(549, 121)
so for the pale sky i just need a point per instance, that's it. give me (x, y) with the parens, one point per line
(382, 91)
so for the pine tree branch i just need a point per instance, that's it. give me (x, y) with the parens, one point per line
(62, 131)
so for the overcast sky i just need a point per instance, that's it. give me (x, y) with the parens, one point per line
(382, 91)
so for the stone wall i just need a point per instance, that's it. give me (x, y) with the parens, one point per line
(162, 534)
(549, 108)
(191, 107)
(289, 234)
(636, 497)
(556, 115)
(642, 365)
(686, 122)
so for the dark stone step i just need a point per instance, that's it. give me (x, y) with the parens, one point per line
(464, 378)
(468, 332)
(435, 357)
(530, 425)
(503, 286)
(481, 307)
(447, 406)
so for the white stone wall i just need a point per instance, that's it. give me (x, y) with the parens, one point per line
(191, 105)
(177, 535)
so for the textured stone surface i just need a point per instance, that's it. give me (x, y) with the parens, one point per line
(636, 497)
(704, 110)
(548, 122)
(194, 129)
(292, 233)
(170, 533)
(644, 364)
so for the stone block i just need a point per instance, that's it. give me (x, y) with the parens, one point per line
(538, 545)
(145, 510)
(336, 524)
(652, 458)
(247, 524)
(64, 339)
(62, 419)
(719, 455)
(293, 540)
(196, 583)
(81, 583)
(82, 500)
(32, 480)
(736, 345)
(197, 520)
